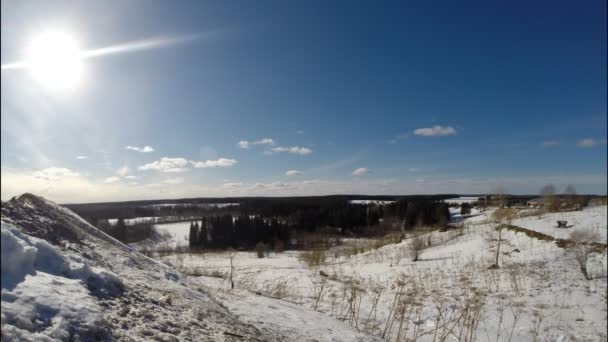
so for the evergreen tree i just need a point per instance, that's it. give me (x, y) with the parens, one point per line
(120, 231)
(192, 236)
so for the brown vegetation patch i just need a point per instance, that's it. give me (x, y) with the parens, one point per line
(598, 247)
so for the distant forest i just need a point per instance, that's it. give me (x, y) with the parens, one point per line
(270, 220)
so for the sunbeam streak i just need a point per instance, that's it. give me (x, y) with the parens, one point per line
(133, 46)
(145, 44)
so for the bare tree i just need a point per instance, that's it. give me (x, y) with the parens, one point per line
(231, 256)
(582, 248)
(500, 192)
(570, 193)
(416, 246)
(550, 201)
(501, 216)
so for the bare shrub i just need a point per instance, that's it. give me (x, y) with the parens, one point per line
(313, 258)
(261, 249)
(317, 240)
(279, 246)
(417, 244)
(582, 247)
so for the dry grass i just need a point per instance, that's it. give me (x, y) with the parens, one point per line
(313, 258)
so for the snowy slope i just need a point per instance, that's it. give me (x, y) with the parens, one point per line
(64, 280)
(538, 293)
(590, 218)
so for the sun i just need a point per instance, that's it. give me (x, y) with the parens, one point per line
(55, 60)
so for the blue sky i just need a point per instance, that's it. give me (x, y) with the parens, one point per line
(382, 98)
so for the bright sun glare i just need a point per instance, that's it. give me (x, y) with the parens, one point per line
(55, 60)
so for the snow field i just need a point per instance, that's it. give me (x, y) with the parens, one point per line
(537, 293)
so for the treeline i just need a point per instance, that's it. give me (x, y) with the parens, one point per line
(242, 231)
(310, 215)
(204, 206)
(127, 233)
(416, 212)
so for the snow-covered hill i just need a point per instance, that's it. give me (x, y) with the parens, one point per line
(63, 279)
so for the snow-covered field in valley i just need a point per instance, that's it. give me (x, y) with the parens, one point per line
(538, 293)
(178, 232)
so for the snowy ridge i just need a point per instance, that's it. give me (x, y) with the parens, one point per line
(63, 279)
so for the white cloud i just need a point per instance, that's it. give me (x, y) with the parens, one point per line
(550, 143)
(589, 142)
(54, 173)
(81, 157)
(166, 164)
(173, 181)
(362, 171)
(272, 186)
(145, 149)
(221, 162)
(264, 141)
(112, 179)
(291, 173)
(247, 144)
(131, 177)
(123, 171)
(243, 144)
(435, 131)
(181, 164)
(293, 150)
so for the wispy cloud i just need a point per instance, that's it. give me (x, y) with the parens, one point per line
(233, 185)
(292, 173)
(173, 181)
(81, 157)
(362, 171)
(112, 179)
(590, 142)
(123, 171)
(244, 144)
(293, 150)
(145, 149)
(221, 162)
(398, 137)
(435, 131)
(550, 143)
(54, 173)
(166, 164)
